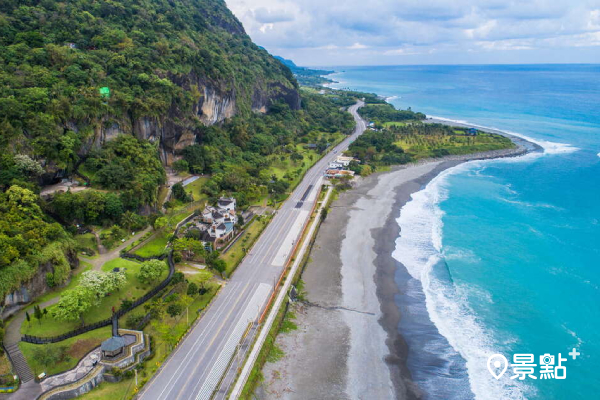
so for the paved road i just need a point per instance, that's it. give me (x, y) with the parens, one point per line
(195, 368)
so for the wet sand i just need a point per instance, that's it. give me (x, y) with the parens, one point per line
(347, 345)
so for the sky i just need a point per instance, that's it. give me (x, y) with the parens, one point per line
(395, 32)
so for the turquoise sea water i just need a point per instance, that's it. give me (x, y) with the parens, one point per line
(502, 256)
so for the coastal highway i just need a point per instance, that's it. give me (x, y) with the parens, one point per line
(195, 368)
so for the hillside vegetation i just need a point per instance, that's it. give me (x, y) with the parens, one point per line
(161, 60)
(109, 92)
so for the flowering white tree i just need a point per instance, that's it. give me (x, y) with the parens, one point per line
(102, 283)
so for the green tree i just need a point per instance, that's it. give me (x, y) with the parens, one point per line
(38, 314)
(102, 283)
(192, 289)
(181, 166)
(174, 309)
(73, 304)
(150, 271)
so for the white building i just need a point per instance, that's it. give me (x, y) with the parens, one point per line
(344, 161)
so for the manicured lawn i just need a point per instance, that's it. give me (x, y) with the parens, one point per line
(115, 391)
(195, 188)
(155, 246)
(235, 254)
(394, 123)
(193, 274)
(132, 290)
(75, 349)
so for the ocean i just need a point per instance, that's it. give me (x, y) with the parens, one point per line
(502, 256)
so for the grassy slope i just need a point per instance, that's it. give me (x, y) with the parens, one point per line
(423, 145)
(132, 290)
(77, 348)
(155, 246)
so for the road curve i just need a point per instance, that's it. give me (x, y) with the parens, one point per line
(196, 366)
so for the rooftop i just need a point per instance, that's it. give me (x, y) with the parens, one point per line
(113, 344)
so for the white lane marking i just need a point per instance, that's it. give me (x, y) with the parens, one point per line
(218, 369)
(194, 348)
(288, 243)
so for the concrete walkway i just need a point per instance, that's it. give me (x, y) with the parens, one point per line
(99, 261)
(84, 367)
(29, 389)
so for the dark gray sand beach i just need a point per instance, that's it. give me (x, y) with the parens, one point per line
(347, 345)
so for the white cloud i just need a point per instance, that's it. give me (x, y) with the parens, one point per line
(357, 46)
(368, 31)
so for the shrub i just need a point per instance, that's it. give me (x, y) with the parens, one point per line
(150, 271)
(174, 309)
(192, 289)
(133, 320)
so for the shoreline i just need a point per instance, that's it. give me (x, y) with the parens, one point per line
(350, 323)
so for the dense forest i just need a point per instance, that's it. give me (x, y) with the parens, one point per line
(109, 92)
(385, 112)
(157, 60)
(28, 238)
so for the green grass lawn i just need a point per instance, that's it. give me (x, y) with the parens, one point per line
(132, 290)
(195, 188)
(296, 170)
(235, 254)
(106, 390)
(395, 123)
(75, 349)
(155, 246)
(193, 274)
(422, 146)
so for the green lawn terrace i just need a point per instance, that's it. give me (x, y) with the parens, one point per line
(133, 289)
(155, 246)
(434, 140)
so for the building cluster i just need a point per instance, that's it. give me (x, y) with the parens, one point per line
(339, 167)
(216, 224)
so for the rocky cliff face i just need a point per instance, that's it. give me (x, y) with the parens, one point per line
(176, 129)
(37, 286)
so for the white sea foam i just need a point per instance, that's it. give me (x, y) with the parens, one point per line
(465, 255)
(419, 250)
(549, 147)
